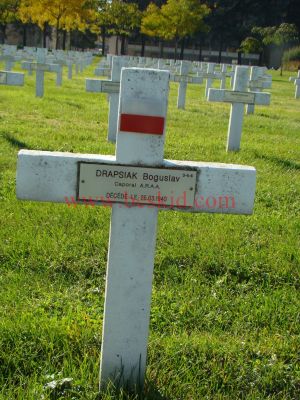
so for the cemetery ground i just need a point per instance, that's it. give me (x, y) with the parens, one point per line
(225, 301)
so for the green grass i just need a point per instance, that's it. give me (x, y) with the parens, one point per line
(225, 303)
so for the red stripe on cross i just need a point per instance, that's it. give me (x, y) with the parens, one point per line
(142, 124)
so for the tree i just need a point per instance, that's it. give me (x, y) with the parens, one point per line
(120, 19)
(154, 24)
(8, 12)
(63, 15)
(175, 20)
(252, 45)
(283, 36)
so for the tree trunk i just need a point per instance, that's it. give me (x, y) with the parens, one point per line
(24, 35)
(260, 59)
(103, 39)
(64, 39)
(220, 50)
(182, 48)
(161, 49)
(45, 36)
(175, 49)
(57, 35)
(123, 39)
(117, 45)
(143, 46)
(200, 51)
(3, 33)
(239, 57)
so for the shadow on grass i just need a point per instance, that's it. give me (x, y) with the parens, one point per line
(15, 142)
(287, 164)
(150, 392)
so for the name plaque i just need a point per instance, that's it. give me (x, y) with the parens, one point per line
(136, 185)
(110, 87)
(40, 67)
(239, 97)
(3, 78)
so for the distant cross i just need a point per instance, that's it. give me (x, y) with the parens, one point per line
(40, 67)
(112, 88)
(224, 75)
(138, 182)
(257, 83)
(238, 98)
(183, 80)
(10, 57)
(296, 81)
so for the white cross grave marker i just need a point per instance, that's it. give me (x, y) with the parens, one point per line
(11, 78)
(209, 80)
(41, 67)
(112, 87)
(184, 70)
(296, 81)
(183, 80)
(238, 98)
(224, 75)
(257, 82)
(138, 182)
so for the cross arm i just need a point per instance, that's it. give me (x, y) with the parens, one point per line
(260, 84)
(229, 96)
(97, 85)
(40, 66)
(184, 78)
(52, 177)
(11, 78)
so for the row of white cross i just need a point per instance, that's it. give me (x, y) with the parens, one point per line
(137, 182)
(41, 62)
(238, 97)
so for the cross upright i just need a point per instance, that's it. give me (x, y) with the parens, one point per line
(210, 75)
(224, 76)
(238, 97)
(112, 88)
(296, 81)
(137, 182)
(11, 78)
(40, 67)
(209, 79)
(183, 80)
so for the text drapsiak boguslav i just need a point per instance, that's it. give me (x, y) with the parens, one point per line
(134, 176)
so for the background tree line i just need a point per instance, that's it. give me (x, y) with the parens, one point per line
(244, 25)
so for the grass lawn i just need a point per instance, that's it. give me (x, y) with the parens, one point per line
(225, 302)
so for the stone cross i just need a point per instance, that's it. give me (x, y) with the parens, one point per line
(10, 57)
(112, 87)
(238, 98)
(296, 81)
(224, 75)
(136, 183)
(183, 80)
(257, 82)
(11, 78)
(41, 67)
(209, 79)
(184, 70)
